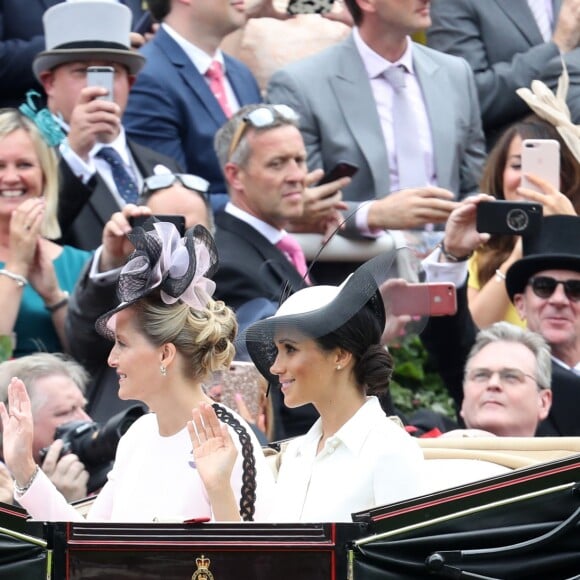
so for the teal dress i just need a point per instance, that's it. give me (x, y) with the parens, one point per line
(34, 329)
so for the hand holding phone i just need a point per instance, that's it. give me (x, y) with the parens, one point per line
(341, 169)
(102, 76)
(432, 299)
(541, 157)
(518, 218)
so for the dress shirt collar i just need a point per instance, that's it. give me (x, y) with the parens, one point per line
(200, 59)
(575, 369)
(374, 63)
(272, 234)
(352, 434)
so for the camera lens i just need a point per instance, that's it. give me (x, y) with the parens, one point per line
(517, 220)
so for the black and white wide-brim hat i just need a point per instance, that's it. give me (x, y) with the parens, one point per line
(319, 310)
(83, 30)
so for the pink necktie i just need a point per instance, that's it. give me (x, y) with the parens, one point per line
(215, 75)
(290, 246)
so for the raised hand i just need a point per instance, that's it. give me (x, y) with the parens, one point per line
(214, 451)
(554, 202)
(17, 432)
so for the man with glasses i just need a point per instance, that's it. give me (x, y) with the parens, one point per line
(506, 385)
(544, 286)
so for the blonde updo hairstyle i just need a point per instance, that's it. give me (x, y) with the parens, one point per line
(204, 338)
(12, 120)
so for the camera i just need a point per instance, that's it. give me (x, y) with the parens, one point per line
(509, 217)
(95, 445)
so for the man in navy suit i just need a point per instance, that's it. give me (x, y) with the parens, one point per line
(172, 108)
(21, 39)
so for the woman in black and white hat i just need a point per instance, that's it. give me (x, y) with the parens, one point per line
(323, 346)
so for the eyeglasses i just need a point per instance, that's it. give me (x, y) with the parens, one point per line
(164, 180)
(545, 286)
(261, 118)
(507, 377)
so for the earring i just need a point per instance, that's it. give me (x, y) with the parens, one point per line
(338, 367)
(163, 370)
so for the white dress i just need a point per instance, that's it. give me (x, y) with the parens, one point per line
(369, 462)
(153, 479)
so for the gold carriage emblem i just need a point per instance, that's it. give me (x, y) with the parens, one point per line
(202, 572)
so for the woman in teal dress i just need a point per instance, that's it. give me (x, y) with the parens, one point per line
(36, 274)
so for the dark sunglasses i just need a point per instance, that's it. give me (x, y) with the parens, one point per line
(164, 180)
(545, 286)
(261, 118)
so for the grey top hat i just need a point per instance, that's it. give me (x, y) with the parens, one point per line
(79, 30)
(556, 247)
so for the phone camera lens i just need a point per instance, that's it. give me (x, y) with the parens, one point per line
(517, 220)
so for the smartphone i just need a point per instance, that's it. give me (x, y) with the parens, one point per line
(518, 218)
(341, 169)
(243, 378)
(430, 299)
(146, 222)
(541, 157)
(309, 6)
(101, 76)
(145, 23)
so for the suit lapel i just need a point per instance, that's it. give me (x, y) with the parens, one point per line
(191, 76)
(518, 11)
(244, 93)
(273, 258)
(353, 93)
(432, 78)
(102, 201)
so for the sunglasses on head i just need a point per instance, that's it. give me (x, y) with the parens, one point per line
(164, 180)
(545, 286)
(261, 118)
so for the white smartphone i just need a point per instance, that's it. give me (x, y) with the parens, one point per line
(541, 157)
(101, 76)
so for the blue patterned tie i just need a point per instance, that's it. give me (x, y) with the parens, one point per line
(125, 184)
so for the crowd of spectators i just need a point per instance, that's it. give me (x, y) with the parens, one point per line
(238, 144)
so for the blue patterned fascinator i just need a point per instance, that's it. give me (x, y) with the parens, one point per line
(50, 130)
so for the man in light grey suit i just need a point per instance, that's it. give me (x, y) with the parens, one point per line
(504, 44)
(346, 111)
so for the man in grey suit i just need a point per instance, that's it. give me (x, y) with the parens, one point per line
(346, 107)
(506, 48)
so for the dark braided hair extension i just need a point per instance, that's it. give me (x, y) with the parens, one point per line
(248, 498)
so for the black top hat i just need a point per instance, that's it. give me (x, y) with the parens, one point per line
(556, 247)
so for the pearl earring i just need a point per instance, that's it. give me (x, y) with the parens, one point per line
(163, 370)
(338, 367)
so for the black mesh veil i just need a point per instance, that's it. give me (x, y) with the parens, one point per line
(381, 283)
